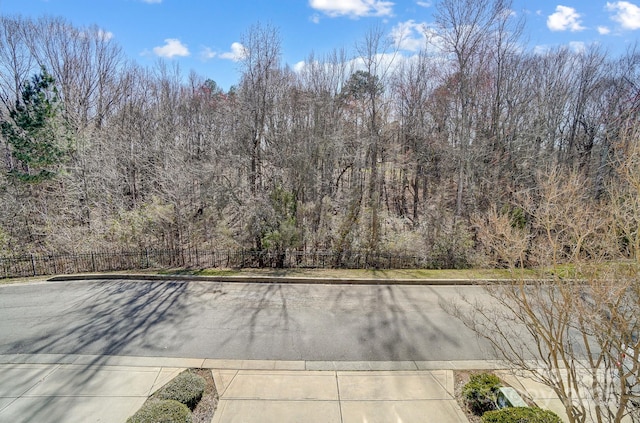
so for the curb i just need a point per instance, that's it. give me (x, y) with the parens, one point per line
(80, 360)
(276, 279)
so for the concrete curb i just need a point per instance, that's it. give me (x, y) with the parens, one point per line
(83, 360)
(276, 279)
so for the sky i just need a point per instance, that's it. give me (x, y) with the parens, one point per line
(204, 36)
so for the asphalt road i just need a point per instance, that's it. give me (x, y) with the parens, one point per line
(236, 321)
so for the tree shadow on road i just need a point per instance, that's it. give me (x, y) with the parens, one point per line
(262, 321)
(111, 318)
(338, 322)
(394, 324)
(262, 312)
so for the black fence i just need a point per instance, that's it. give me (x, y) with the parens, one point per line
(54, 264)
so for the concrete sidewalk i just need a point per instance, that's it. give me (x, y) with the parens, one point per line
(330, 396)
(108, 389)
(78, 389)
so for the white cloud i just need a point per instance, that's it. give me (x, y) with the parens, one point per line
(435, 42)
(541, 49)
(237, 53)
(424, 3)
(353, 8)
(409, 35)
(315, 18)
(565, 18)
(603, 30)
(578, 46)
(105, 35)
(207, 54)
(99, 34)
(626, 14)
(299, 67)
(172, 47)
(384, 63)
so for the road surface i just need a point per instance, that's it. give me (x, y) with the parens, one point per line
(236, 321)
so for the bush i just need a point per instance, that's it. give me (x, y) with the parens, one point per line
(520, 415)
(186, 388)
(452, 249)
(162, 411)
(481, 391)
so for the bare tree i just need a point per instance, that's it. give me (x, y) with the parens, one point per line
(17, 63)
(369, 86)
(260, 65)
(84, 61)
(374, 155)
(466, 28)
(414, 84)
(568, 323)
(568, 335)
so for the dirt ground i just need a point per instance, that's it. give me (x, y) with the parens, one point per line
(204, 411)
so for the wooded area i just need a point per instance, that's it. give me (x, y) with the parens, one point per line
(473, 152)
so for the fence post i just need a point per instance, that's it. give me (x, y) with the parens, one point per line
(93, 262)
(146, 255)
(33, 265)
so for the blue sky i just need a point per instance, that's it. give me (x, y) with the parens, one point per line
(204, 35)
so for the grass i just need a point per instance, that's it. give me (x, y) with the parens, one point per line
(8, 281)
(389, 274)
(361, 273)
(563, 271)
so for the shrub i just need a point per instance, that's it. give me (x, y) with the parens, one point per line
(520, 415)
(453, 248)
(162, 411)
(186, 388)
(481, 392)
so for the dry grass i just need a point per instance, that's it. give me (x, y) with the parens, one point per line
(8, 281)
(390, 274)
(364, 273)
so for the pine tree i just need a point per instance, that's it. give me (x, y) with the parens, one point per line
(33, 133)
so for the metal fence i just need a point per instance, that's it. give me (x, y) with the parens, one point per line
(53, 264)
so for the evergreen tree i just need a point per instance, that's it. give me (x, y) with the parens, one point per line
(32, 131)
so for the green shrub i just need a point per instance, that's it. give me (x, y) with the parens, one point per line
(162, 411)
(186, 388)
(520, 415)
(452, 249)
(481, 392)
